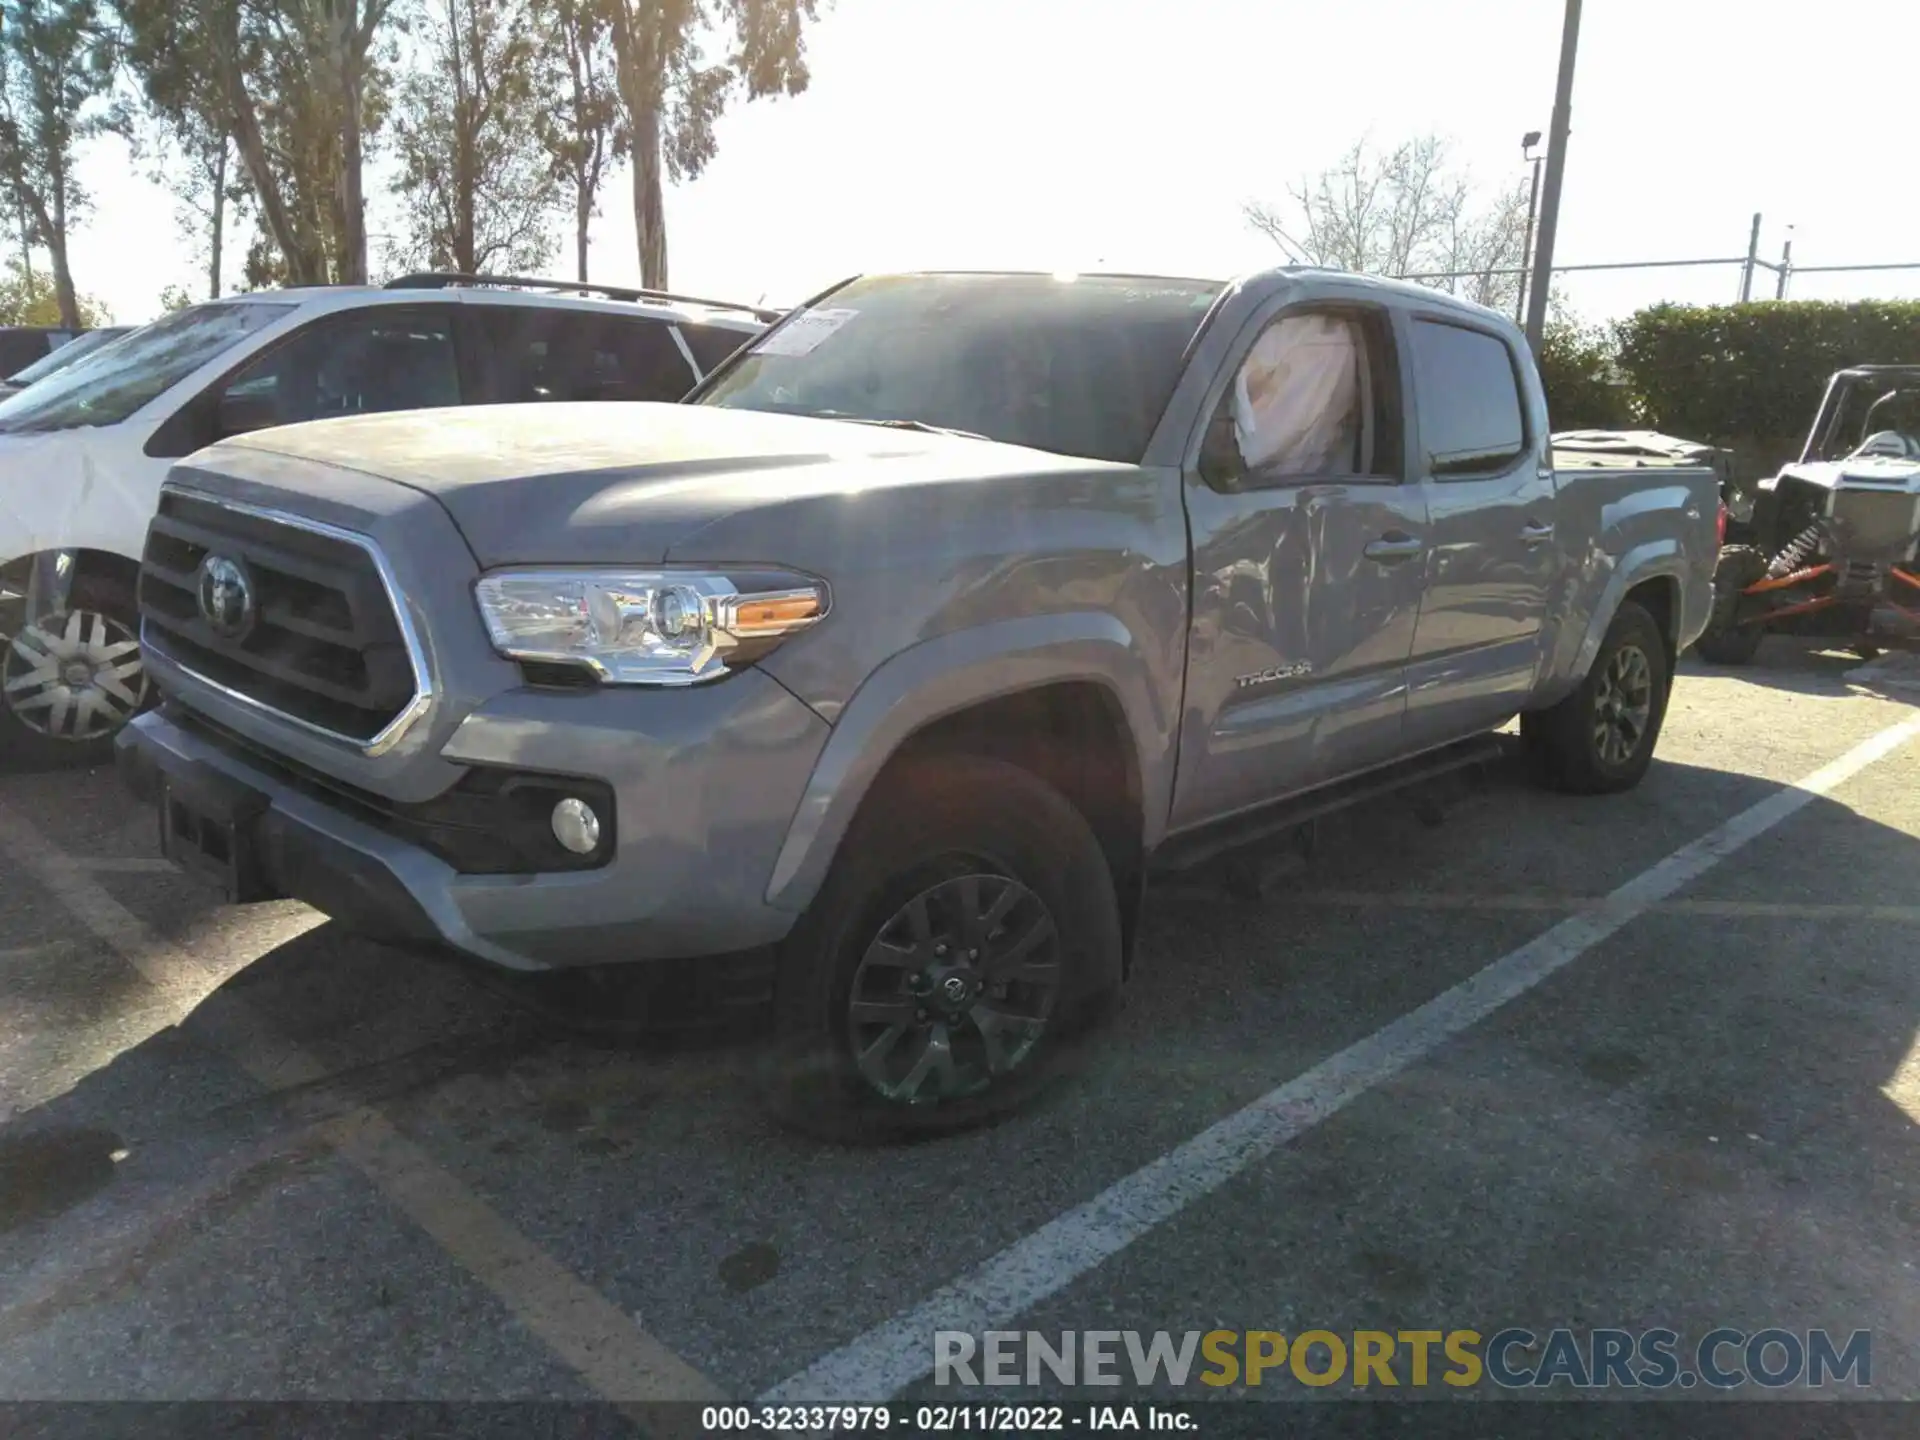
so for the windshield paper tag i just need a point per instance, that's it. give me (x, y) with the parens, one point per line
(803, 333)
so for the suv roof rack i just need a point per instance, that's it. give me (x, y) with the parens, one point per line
(442, 279)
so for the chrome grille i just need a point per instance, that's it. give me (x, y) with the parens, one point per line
(327, 647)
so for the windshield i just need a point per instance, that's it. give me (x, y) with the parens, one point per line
(1079, 366)
(1894, 410)
(107, 386)
(68, 353)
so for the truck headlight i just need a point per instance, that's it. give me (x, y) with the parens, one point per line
(645, 627)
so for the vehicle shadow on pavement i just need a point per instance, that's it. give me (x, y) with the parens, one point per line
(1808, 667)
(1715, 1126)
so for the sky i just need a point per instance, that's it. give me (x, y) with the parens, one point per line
(1128, 135)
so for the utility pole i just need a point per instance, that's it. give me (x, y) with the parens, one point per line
(1557, 132)
(1786, 267)
(1753, 259)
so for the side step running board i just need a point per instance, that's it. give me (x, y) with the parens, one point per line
(1184, 852)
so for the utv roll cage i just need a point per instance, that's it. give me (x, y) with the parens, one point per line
(1834, 412)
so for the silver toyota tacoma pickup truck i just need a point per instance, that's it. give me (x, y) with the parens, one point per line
(874, 680)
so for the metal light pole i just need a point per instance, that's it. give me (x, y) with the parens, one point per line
(1527, 142)
(1753, 259)
(1557, 132)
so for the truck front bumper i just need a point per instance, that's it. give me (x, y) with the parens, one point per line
(686, 876)
(279, 846)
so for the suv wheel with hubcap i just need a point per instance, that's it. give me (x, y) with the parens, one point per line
(70, 682)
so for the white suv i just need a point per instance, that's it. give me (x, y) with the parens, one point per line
(83, 452)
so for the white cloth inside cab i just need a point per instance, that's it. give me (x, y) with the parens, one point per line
(1297, 397)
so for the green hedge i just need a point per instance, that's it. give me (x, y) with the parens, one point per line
(1576, 371)
(1749, 377)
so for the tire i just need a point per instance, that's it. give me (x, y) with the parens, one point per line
(1575, 741)
(934, 834)
(1724, 642)
(50, 716)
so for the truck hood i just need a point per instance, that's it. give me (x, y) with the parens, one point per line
(620, 483)
(1881, 470)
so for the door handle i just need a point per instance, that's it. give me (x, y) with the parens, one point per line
(1534, 534)
(1394, 547)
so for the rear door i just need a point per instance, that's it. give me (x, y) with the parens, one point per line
(1494, 558)
(551, 352)
(1307, 548)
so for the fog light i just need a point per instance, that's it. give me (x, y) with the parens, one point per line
(576, 826)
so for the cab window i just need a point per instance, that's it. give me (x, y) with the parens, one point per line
(1471, 417)
(1316, 396)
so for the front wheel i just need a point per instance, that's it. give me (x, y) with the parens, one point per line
(69, 682)
(1600, 738)
(967, 937)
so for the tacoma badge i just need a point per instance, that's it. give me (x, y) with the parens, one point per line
(1278, 672)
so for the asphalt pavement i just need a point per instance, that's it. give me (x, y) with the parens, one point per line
(1496, 1059)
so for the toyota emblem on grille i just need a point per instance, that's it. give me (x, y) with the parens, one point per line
(226, 597)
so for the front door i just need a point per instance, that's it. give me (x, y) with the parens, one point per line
(1488, 480)
(1308, 553)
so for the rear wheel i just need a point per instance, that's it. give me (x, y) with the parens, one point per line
(1725, 641)
(966, 940)
(70, 681)
(1600, 738)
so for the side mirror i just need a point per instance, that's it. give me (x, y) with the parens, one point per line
(1221, 464)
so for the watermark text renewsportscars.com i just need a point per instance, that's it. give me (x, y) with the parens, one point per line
(1725, 1358)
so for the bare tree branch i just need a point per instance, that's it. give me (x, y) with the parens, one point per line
(476, 180)
(1402, 211)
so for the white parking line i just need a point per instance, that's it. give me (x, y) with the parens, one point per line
(897, 1352)
(1718, 909)
(575, 1321)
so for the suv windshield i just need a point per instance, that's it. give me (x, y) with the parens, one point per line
(107, 386)
(1080, 366)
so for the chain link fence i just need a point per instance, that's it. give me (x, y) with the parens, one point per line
(1749, 268)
